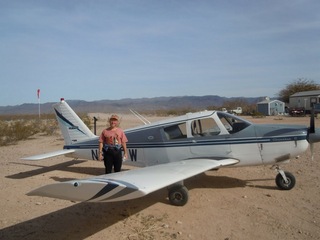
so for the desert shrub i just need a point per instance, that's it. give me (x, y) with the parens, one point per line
(256, 114)
(48, 126)
(3, 132)
(87, 121)
(22, 130)
(30, 117)
(16, 130)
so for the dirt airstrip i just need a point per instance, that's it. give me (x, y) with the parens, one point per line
(233, 203)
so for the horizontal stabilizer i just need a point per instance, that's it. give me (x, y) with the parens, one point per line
(49, 155)
(129, 184)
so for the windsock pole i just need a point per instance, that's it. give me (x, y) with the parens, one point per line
(38, 94)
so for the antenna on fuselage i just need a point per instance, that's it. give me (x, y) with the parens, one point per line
(140, 117)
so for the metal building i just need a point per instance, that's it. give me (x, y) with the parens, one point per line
(304, 99)
(269, 107)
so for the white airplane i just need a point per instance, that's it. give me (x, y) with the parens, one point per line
(171, 151)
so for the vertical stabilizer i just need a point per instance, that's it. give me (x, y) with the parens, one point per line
(72, 127)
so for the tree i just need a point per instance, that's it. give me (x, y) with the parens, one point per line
(299, 85)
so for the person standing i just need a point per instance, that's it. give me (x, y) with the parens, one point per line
(111, 143)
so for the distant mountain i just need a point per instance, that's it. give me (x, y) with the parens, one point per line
(123, 105)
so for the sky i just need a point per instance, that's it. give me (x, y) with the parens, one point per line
(114, 49)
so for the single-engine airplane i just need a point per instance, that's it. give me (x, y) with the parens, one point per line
(170, 151)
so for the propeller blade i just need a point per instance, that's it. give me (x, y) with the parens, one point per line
(311, 149)
(312, 127)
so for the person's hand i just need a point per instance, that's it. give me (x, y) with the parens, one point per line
(100, 156)
(125, 156)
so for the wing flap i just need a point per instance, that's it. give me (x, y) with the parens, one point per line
(129, 184)
(49, 155)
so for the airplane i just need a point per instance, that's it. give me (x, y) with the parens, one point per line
(169, 151)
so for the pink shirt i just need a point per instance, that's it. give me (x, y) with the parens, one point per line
(112, 137)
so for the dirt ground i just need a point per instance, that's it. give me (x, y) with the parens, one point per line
(231, 203)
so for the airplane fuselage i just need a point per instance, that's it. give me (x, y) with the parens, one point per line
(208, 135)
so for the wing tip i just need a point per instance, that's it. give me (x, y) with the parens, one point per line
(48, 155)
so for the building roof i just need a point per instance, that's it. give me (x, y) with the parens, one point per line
(306, 93)
(269, 101)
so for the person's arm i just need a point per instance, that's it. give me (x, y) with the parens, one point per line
(100, 151)
(124, 145)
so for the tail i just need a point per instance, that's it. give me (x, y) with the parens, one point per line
(72, 127)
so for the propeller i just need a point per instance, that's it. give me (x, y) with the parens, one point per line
(312, 128)
(314, 134)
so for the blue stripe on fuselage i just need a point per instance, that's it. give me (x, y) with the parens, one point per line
(198, 142)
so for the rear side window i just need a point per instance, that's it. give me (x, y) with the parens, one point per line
(176, 131)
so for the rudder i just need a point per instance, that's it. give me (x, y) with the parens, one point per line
(72, 127)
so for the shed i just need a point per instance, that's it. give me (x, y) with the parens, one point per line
(271, 107)
(304, 99)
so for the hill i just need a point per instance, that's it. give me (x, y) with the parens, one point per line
(123, 105)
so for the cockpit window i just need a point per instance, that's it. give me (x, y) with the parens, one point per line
(232, 123)
(207, 127)
(177, 131)
(204, 127)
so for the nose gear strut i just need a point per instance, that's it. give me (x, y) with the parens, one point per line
(284, 180)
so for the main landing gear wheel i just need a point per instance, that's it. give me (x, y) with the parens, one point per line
(178, 195)
(285, 182)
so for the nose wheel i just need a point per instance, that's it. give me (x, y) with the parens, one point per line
(285, 180)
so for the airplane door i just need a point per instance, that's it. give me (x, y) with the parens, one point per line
(207, 139)
(177, 143)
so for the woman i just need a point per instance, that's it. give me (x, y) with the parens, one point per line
(111, 143)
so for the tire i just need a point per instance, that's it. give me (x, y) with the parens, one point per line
(282, 184)
(178, 195)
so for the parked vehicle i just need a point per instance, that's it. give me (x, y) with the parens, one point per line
(238, 110)
(297, 112)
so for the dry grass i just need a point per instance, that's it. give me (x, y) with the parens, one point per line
(15, 128)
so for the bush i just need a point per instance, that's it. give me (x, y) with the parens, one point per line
(86, 120)
(16, 130)
(257, 115)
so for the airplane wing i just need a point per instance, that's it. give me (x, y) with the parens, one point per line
(129, 184)
(49, 155)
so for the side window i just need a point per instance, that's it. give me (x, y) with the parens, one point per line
(204, 127)
(232, 123)
(237, 126)
(176, 131)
